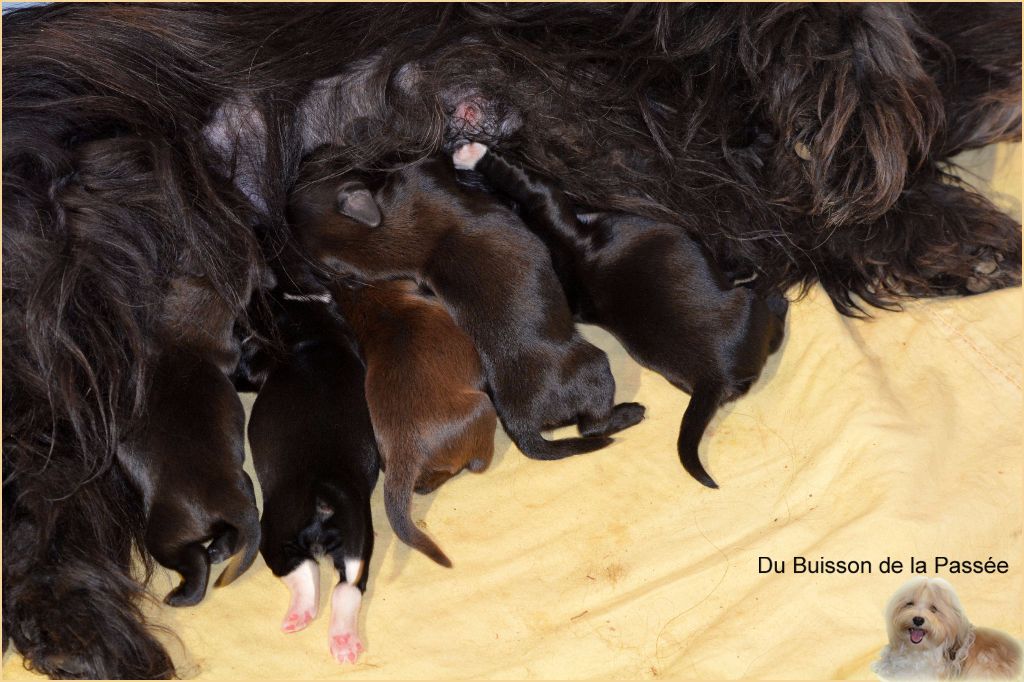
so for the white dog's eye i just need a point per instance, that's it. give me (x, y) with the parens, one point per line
(909, 603)
(934, 610)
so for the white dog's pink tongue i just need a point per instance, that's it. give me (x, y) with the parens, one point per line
(916, 635)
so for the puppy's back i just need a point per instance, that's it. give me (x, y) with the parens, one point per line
(410, 340)
(310, 417)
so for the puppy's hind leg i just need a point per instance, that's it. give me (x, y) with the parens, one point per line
(240, 539)
(187, 558)
(622, 417)
(352, 559)
(303, 584)
(194, 565)
(223, 544)
(346, 601)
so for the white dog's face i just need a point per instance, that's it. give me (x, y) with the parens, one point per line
(925, 614)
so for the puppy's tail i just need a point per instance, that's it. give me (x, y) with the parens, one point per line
(534, 446)
(399, 479)
(244, 544)
(703, 405)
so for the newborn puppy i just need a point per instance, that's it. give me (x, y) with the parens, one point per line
(656, 290)
(186, 458)
(425, 390)
(317, 462)
(496, 281)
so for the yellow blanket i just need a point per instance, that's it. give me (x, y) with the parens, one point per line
(898, 437)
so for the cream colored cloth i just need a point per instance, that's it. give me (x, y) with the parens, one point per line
(897, 436)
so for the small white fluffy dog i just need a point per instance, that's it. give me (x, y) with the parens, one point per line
(931, 638)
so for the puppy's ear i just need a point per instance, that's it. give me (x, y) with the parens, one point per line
(356, 201)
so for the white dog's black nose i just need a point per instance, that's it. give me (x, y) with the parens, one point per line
(918, 621)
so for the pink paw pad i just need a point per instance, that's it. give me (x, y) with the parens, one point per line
(346, 648)
(295, 622)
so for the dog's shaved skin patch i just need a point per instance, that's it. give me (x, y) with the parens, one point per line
(467, 156)
(916, 635)
(343, 635)
(304, 585)
(468, 112)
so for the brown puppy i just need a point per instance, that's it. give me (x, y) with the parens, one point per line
(493, 276)
(186, 457)
(425, 391)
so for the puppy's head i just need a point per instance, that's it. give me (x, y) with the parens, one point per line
(354, 200)
(328, 214)
(926, 614)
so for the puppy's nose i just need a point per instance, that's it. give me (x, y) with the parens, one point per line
(918, 621)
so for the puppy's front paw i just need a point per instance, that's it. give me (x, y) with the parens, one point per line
(467, 156)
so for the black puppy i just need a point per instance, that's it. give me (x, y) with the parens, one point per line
(317, 462)
(186, 456)
(656, 290)
(495, 279)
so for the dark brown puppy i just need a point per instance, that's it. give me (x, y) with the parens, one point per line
(425, 391)
(656, 290)
(317, 462)
(494, 278)
(186, 457)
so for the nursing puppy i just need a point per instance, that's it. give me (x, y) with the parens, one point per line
(186, 457)
(495, 280)
(425, 391)
(656, 290)
(317, 462)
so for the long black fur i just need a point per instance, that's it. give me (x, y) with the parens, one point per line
(658, 110)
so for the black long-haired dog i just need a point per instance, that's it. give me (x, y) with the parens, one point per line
(653, 287)
(810, 139)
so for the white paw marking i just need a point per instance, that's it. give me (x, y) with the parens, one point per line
(353, 570)
(467, 156)
(304, 585)
(343, 633)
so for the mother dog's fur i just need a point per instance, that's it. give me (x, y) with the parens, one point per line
(809, 139)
